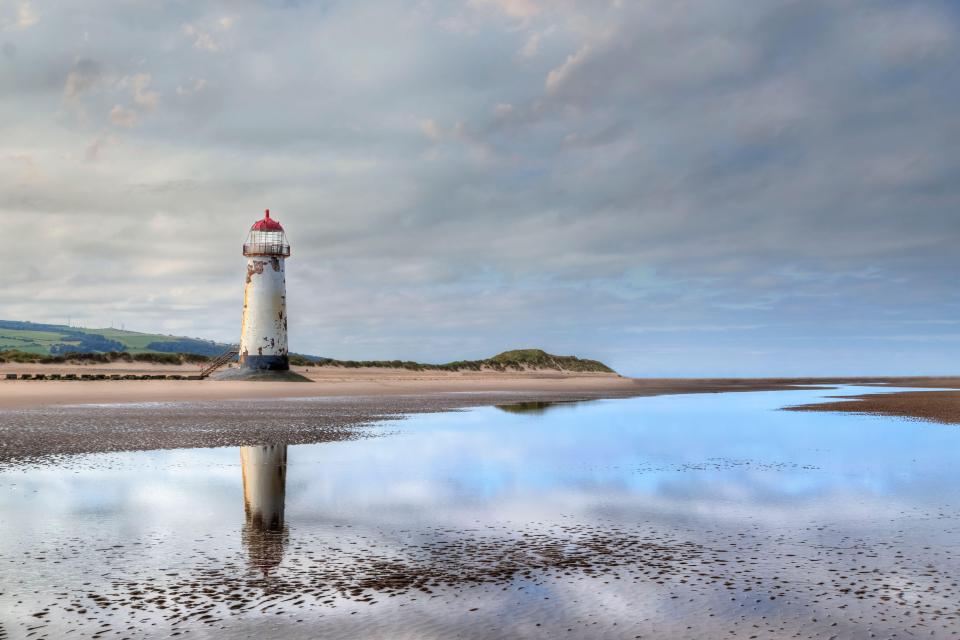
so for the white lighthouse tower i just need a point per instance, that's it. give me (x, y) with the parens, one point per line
(263, 337)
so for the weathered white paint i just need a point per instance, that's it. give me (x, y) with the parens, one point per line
(264, 330)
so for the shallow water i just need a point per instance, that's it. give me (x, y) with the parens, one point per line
(705, 516)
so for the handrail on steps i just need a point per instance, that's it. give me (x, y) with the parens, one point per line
(219, 361)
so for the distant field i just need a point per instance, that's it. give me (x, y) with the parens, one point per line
(134, 341)
(30, 341)
(50, 339)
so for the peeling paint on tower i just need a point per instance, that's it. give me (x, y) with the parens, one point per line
(263, 338)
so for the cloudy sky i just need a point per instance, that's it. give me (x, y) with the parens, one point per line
(726, 187)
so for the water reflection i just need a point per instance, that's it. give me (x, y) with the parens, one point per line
(668, 517)
(531, 407)
(264, 535)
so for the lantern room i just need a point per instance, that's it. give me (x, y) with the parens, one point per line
(266, 238)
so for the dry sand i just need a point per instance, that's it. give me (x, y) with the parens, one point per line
(327, 382)
(336, 381)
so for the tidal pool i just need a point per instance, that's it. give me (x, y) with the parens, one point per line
(689, 516)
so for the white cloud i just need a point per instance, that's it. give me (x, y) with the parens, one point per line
(558, 76)
(193, 85)
(512, 8)
(26, 16)
(22, 17)
(431, 129)
(142, 95)
(532, 46)
(202, 38)
(122, 117)
(204, 33)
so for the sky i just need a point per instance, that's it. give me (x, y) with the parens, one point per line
(731, 187)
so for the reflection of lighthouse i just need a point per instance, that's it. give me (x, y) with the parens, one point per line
(263, 337)
(264, 490)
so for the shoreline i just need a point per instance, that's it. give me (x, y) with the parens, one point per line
(352, 382)
(43, 420)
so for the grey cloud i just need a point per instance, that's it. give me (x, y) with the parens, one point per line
(783, 169)
(85, 75)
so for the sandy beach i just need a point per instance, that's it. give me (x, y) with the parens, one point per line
(326, 382)
(336, 381)
(205, 413)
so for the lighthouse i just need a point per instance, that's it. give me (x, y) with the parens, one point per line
(263, 336)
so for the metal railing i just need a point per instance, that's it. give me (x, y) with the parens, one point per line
(266, 249)
(219, 361)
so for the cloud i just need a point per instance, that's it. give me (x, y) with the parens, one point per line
(532, 46)
(122, 117)
(202, 39)
(84, 75)
(431, 129)
(560, 76)
(204, 36)
(193, 85)
(512, 8)
(784, 170)
(902, 35)
(142, 96)
(652, 48)
(95, 148)
(26, 17)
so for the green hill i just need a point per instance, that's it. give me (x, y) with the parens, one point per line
(58, 339)
(518, 360)
(30, 341)
(539, 359)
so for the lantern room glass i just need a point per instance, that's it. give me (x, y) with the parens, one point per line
(266, 243)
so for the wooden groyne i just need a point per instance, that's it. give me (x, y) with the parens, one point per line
(98, 376)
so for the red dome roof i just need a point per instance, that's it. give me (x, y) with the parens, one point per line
(267, 224)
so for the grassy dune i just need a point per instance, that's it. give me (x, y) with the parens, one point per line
(49, 343)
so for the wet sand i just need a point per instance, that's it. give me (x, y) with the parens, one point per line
(679, 583)
(645, 573)
(933, 406)
(47, 434)
(48, 419)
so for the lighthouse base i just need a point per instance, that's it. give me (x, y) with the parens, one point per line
(263, 375)
(265, 363)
